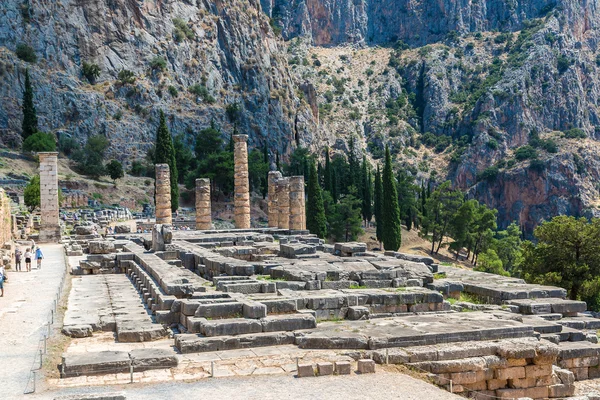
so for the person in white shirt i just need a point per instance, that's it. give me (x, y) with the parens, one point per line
(28, 257)
(3, 278)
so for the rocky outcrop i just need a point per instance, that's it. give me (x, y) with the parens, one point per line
(332, 22)
(226, 48)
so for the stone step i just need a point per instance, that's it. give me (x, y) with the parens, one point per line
(549, 305)
(190, 343)
(243, 326)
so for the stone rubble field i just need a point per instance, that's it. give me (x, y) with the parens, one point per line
(280, 301)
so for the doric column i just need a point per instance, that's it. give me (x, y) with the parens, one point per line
(272, 199)
(162, 198)
(203, 211)
(297, 215)
(49, 223)
(283, 203)
(241, 203)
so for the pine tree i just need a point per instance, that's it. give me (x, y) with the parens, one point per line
(30, 121)
(392, 233)
(327, 185)
(316, 221)
(377, 197)
(165, 154)
(277, 166)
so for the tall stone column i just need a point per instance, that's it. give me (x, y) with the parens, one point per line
(272, 199)
(283, 203)
(203, 211)
(241, 203)
(162, 198)
(297, 215)
(49, 223)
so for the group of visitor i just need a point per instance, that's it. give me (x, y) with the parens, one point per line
(30, 254)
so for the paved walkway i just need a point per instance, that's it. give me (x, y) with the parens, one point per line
(381, 386)
(24, 311)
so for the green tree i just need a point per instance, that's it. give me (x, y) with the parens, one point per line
(40, 141)
(30, 121)
(257, 170)
(377, 199)
(407, 197)
(566, 254)
(327, 178)
(461, 226)
(184, 158)
(265, 178)
(392, 230)
(491, 263)
(367, 207)
(316, 222)
(299, 163)
(90, 160)
(508, 247)
(115, 170)
(441, 208)
(31, 194)
(345, 221)
(91, 71)
(165, 154)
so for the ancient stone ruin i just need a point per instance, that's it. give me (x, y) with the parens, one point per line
(49, 224)
(203, 208)
(241, 183)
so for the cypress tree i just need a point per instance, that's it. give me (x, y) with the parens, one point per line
(165, 154)
(334, 186)
(327, 175)
(30, 121)
(392, 233)
(265, 178)
(377, 197)
(315, 210)
(366, 210)
(277, 166)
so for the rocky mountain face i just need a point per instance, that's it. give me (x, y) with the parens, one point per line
(499, 96)
(334, 22)
(224, 51)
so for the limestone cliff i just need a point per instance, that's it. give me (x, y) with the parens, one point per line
(226, 48)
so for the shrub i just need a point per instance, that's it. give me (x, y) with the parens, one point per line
(26, 53)
(537, 165)
(549, 145)
(202, 92)
(173, 91)
(563, 63)
(525, 152)
(40, 141)
(575, 133)
(90, 71)
(233, 111)
(492, 144)
(126, 77)
(489, 174)
(158, 63)
(182, 31)
(115, 170)
(67, 145)
(137, 168)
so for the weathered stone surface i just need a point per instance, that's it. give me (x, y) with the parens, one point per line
(305, 370)
(122, 228)
(101, 247)
(77, 331)
(324, 368)
(94, 363)
(343, 367)
(366, 366)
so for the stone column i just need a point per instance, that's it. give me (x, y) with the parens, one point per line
(49, 222)
(241, 203)
(203, 211)
(283, 203)
(297, 215)
(272, 199)
(162, 198)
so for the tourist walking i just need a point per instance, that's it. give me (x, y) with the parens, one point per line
(3, 278)
(18, 256)
(28, 257)
(39, 256)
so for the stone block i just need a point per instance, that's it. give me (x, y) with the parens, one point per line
(510, 373)
(539, 392)
(580, 374)
(510, 393)
(343, 367)
(305, 370)
(101, 247)
(358, 313)
(254, 309)
(560, 390)
(324, 368)
(494, 384)
(461, 378)
(366, 366)
(534, 371)
(521, 383)
(288, 322)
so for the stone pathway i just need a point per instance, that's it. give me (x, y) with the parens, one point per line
(381, 385)
(24, 311)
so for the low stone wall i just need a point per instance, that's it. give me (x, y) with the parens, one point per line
(5, 219)
(512, 368)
